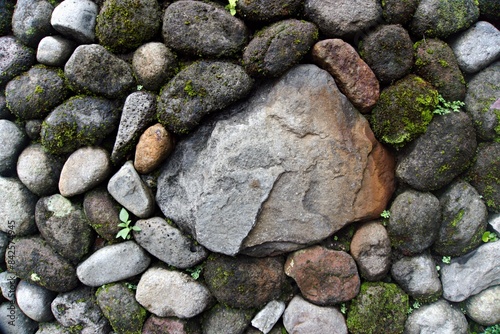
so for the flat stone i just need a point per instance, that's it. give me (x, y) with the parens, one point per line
(14, 321)
(85, 168)
(268, 316)
(233, 191)
(35, 301)
(106, 265)
(54, 51)
(155, 145)
(153, 64)
(129, 190)
(439, 317)
(17, 208)
(13, 140)
(76, 19)
(31, 21)
(484, 308)
(15, 58)
(352, 75)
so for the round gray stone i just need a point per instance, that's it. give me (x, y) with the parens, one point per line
(439, 317)
(31, 21)
(76, 19)
(224, 319)
(17, 208)
(33, 128)
(14, 321)
(153, 64)
(54, 51)
(35, 301)
(12, 141)
(484, 308)
(15, 58)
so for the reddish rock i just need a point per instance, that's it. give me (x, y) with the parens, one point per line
(353, 76)
(170, 325)
(324, 276)
(154, 146)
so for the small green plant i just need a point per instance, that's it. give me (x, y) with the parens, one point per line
(446, 259)
(195, 271)
(343, 308)
(489, 236)
(495, 329)
(415, 306)
(35, 278)
(139, 87)
(125, 223)
(445, 107)
(131, 286)
(385, 214)
(231, 7)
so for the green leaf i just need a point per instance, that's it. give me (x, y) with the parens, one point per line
(124, 215)
(486, 236)
(136, 228)
(123, 234)
(123, 225)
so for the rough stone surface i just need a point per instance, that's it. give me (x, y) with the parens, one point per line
(12, 142)
(54, 51)
(352, 75)
(129, 190)
(268, 316)
(338, 19)
(203, 29)
(102, 212)
(35, 301)
(76, 19)
(64, 227)
(8, 282)
(438, 156)
(11, 314)
(302, 317)
(153, 64)
(168, 243)
(33, 128)
(137, 114)
(418, 277)
(4, 242)
(155, 145)
(113, 263)
(15, 58)
(414, 222)
(484, 175)
(484, 308)
(161, 325)
(37, 263)
(439, 317)
(371, 249)
(91, 68)
(166, 293)
(38, 170)
(276, 48)
(6, 11)
(199, 89)
(17, 208)
(324, 276)
(265, 11)
(472, 273)
(441, 18)
(78, 309)
(464, 220)
(327, 155)
(494, 223)
(31, 21)
(477, 47)
(399, 12)
(388, 50)
(244, 282)
(223, 319)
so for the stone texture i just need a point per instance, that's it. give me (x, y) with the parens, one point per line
(302, 317)
(268, 316)
(102, 212)
(278, 47)
(168, 243)
(12, 141)
(31, 21)
(138, 112)
(160, 325)
(371, 249)
(113, 263)
(14, 321)
(153, 64)
(223, 319)
(305, 179)
(203, 29)
(166, 293)
(155, 145)
(17, 208)
(398, 12)
(439, 317)
(33, 128)
(494, 223)
(265, 11)
(244, 282)
(472, 273)
(54, 51)
(37, 263)
(6, 11)
(484, 175)
(76, 19)
(477, 47)
(338, 19)
(199, 89)
(35, 301)
(352, 75)
(484, 308)
(441, 154)
(8, 281)
(91, 68)
(130, 191)
(324, 276)
(38, 170)
(418, 277)
(4, 242)
(15, 58)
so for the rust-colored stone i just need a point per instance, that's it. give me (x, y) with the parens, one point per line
(154, 146)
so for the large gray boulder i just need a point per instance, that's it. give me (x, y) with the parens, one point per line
(279, 158)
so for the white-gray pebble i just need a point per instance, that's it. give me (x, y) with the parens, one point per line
(8, 285)
(268, 316)
(153, 64)
(17, 207)
(76, 19)
(35, 301)
(14, 321)
(54, 51)
(484, 308)
(439, 317)
(12, 140)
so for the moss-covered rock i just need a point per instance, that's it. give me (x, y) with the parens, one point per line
(267, 11)
(379, 308)
(15, 58)
(403, 111)
(123, 25)
(398, 11)
(485, 175)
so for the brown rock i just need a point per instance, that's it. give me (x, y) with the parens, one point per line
(353, 76)
(154, 146)
(102, 211)
(324, 276)
(371, 249)
(170, 325)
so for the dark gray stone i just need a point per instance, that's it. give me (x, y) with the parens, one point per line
(265, 11)
(4, 242)
(17, 208)
(37, 263)
(442, 18)
(15, 58)
(484, 308)
(418, 277)
(278, 47)
(168, 243)
(438, 156)
(33, 128)
(31, 21)
(92, 68)
(38, 170)
(54, 51)
(102, 212)
(414, 222)
(4, 111)
(199, 89)
(78, 310)
(397, 11)
(484, 175)
(35, 301)
(439, 317)
(223, 319)
(12, 141)
(388, 50)
(14, 321)
(471, 273)
(6, 11)
(76, 19)
(489, 10)
(204, 29)
(64, 227)
(338, 19)
(464, 220)
(153, 64)
(79, 121)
